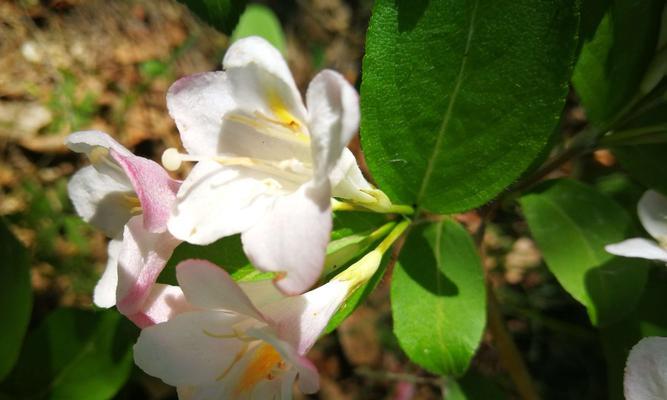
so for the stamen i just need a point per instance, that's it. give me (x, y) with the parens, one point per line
(237, 358)
(100, 156)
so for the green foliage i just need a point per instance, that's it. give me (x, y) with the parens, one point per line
(438, 298)
(74, 355)
(15, 298)
(457, 100)
(223, 15)
(613, 62)
(71, 111)
(472, 387)
(572, 223)
(259, 20)
(227, 253)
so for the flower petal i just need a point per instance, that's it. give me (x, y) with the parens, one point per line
(189, 349)
(638, 248)
(347, 181)
(261, 80)
(333, 119)
(155, 189)
(300, 320)
(309, 379)
(100, 200)
(85, 141)
(163, 303)
(197, 103)
(142, 257)
(652, 210)
(261, 293)
(105, 291)
(646, 370)
(208, 286)
(217, 201)
(292, 237)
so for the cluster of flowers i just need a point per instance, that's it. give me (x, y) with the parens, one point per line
(267, 167)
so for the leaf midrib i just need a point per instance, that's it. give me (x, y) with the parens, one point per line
(448, 112)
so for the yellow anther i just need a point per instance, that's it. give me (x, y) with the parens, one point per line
(265, 359)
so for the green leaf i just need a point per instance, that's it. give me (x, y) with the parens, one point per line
(15, 298)
(74, 354)
(472, 387)
(259, 20)
(459, 97)
(648, 319)
(227, 253)
(613, 62)
(438, 298)
(572, 223)
(223, 15)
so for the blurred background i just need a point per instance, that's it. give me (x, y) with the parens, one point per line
(68, 65)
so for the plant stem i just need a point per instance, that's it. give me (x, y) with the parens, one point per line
(402, 209)
(509, 354)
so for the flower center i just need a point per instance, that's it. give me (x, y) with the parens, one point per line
(264, 362)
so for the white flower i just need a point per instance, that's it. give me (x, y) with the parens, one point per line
(652, 211)
(242, 341)
(130, 198)
(266, 162)
(646, 370)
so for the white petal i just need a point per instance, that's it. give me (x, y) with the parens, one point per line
(347, 181)
(333, 118)
(261, 80)
(638, 248)
(189, 349)
(208, 286)
(292, 237)
(652, 210)
(100, 200)
(646, 370)
(142, 257)
(217, 201)
(197, 103)
(300, 320)
(105, 291)
(261, 293)
(85, 141)
(163, 304)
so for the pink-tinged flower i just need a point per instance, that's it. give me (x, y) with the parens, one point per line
(652, 211)
(130, 198)
(646, 370)
(243, 341)
(267, 164)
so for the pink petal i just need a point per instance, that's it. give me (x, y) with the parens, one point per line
(210, 287)
(155, 189)
(143, 256)
(163, 303)
(292, 237)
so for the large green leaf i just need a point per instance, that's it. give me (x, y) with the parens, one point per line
(220, 14)
(259, 20)
(74, 354)
(572, 223)
(458, 97)
(648, 319)
(438, 298)
(613, 62)
(15, 298)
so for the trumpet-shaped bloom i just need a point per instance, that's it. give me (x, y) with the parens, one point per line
(242, 341)
(267, 163)
(646, 370)
(652, 211)
(130, 199)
